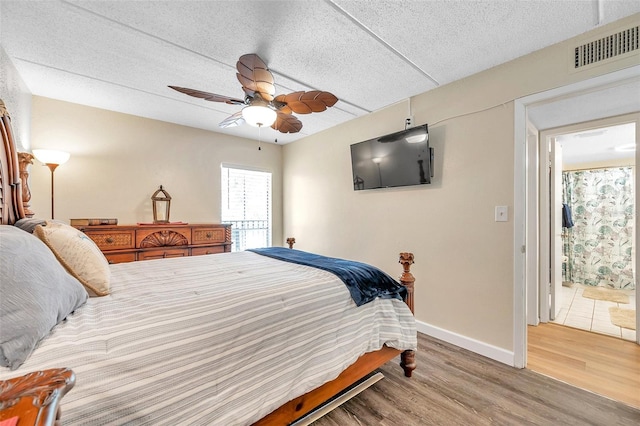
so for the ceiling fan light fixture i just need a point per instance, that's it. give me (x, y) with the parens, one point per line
(259, 116)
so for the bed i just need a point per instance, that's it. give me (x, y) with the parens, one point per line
(232, 339)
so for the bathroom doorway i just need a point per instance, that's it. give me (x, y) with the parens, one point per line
(592, 227)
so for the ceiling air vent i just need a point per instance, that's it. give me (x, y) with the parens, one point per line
(606, 47)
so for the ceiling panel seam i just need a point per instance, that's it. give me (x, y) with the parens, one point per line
(128, 27)
(205, 106)
(381, 41)
(146, 34)
(599, 12)
(295, 80)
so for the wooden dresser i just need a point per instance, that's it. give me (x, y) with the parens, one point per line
(128, 243)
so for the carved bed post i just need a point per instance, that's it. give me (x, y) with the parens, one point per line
(291, 241)
(408, 357)
(11, 207)
(24, 160)
(35, 397)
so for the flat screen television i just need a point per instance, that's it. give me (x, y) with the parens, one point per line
(400, 159)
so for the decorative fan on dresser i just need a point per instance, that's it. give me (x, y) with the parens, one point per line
(262, 108)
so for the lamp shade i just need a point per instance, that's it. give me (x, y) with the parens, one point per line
(50, 156)
(259, 116)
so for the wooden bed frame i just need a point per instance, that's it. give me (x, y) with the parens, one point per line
(14, 183)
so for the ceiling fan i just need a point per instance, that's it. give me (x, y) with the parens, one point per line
(262, 108)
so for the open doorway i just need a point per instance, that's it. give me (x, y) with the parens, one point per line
(606, 95)
(592, 227)
(577, 357)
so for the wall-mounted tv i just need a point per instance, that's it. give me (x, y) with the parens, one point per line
(399, 159)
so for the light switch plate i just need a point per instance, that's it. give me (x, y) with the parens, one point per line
(502, 214)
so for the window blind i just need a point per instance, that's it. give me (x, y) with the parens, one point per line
(246, 205)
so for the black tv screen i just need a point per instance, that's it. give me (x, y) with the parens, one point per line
(399, 159)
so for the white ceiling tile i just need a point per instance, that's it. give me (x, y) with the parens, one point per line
(450, 40)
(597, 145)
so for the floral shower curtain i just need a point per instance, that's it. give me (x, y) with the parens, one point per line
(599, 247)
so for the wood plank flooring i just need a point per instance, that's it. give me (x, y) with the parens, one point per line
(605, 365)
(453, 386)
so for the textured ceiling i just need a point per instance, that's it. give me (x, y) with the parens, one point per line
(121, 55)
(595, 145)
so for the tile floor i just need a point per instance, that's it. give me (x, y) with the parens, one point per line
(592, 315)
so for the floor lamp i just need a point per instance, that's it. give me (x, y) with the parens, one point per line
(51, 159)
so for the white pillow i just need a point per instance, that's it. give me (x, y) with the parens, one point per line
(78, 254)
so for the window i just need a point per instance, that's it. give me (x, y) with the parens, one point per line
(246, 205)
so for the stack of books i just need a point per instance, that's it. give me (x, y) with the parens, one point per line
(92, 222)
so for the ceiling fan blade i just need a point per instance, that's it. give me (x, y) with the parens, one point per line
(308, 102)
(208, 96)
(284, 109)
(286, 123)
(232, 121)
(255, 77)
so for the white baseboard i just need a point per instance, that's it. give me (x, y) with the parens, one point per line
(484, 349)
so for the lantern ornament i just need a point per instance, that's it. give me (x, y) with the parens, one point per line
(161, 205)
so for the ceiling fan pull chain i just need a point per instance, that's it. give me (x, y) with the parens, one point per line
(259, 138)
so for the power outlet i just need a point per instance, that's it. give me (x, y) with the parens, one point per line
(408, 122)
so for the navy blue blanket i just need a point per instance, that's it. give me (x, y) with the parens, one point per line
(365, 282)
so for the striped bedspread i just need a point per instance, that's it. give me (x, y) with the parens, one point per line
(211, 340)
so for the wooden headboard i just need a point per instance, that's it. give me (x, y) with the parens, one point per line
(11, 207)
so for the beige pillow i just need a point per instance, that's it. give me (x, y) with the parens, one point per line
(78, 254)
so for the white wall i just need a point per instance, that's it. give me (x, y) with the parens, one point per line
(17, 99)
(464, 259)
(119, 160)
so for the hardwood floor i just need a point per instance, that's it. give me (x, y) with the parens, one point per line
(453, 386)
(605, 365)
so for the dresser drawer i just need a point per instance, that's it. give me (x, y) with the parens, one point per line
(198, 251)
(112, 240)
(162, 254)
(120, 257)
(208, 235)
(154, 237)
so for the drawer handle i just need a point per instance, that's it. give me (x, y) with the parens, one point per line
(209, 235)
(109, 240)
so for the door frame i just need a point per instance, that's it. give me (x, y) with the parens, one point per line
(533, 272)
(555, 221)
(523, 198)
(547, 225)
